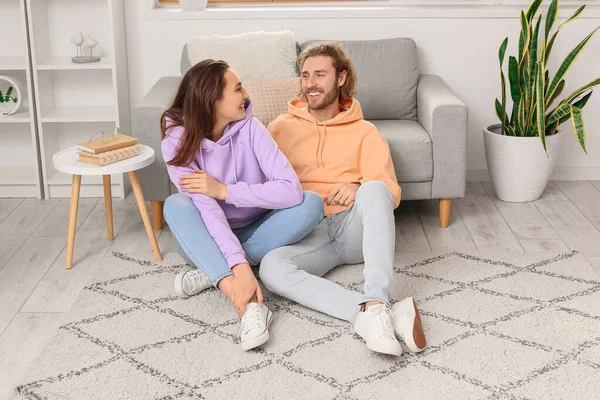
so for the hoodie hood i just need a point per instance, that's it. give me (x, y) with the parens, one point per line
(350, 111)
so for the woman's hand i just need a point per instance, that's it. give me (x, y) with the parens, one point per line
(204, 183)
(243, 288)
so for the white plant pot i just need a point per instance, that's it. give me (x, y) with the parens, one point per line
(10, 107)
(518, 166)
(6, 108)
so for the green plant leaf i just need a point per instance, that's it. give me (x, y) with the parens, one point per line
(513, 78)
(501, 53)
(524, 37)
(567, 63)
(15, 100)
(539, 94)
(520, 129)
(510, 131)
(578, 128)
(8, 94)
(550, 19)
(533, 9)
(530, 112)
(573, 17)
(557, 92)
(559, 112)
(500, 113)
(582, 89)
(579, 104)
(534, 43)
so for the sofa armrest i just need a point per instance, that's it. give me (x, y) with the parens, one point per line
(154, 178)
(444, 116)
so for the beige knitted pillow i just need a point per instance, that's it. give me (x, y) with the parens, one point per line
(271, 96)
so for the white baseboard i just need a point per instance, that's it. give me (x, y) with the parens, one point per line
(559, 174)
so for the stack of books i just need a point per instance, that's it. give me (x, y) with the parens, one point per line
(108, 150)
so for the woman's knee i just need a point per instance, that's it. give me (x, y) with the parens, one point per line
(175, 203)
(313, 204)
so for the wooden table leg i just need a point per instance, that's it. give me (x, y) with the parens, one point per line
(108, 206)
(157, 214)
(139, 197)
(73, 219)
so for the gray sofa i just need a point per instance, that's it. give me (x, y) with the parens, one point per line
(423, 121)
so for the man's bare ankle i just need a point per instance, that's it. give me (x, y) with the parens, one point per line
(365, 306)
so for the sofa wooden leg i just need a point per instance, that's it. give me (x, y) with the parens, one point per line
(157, 214)
(445, 205)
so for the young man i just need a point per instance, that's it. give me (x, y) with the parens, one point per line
(343, 158)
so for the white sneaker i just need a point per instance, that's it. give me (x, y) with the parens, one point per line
(375, 326)
(407, 324)
(191, 282)
(254, 328)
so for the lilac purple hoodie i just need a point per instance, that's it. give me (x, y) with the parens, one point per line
(259, 178)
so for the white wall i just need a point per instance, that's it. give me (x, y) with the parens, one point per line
(461, 50)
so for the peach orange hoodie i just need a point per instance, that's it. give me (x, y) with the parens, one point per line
(344, 149)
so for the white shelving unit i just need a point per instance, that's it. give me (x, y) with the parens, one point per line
(20, 170)
(77, 101)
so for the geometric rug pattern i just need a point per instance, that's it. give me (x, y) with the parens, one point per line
(498, 325)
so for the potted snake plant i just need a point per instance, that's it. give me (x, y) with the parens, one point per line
(521, 150)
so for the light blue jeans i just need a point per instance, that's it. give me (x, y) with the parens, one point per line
(274, 229)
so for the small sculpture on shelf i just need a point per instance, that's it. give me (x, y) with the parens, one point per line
(78, 40)
(8, 103)
(10, 95)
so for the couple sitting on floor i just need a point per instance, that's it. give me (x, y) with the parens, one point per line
(314, 190)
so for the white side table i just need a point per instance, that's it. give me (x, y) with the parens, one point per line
(68, 161)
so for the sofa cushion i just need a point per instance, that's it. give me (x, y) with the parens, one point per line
(411, 149)
(388, 74)
(253, 55)
(270, 97)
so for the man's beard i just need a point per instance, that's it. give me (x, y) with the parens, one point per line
(328, 98)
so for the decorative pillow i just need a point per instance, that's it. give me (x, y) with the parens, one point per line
(254, 55)
(270, 97)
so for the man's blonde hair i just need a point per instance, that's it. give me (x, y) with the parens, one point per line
(341, 62)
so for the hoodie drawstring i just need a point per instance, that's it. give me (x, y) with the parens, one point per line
(318, 143)
(323, 145)
(233, 158)
(202, 160)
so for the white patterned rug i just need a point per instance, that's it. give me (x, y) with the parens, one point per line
(499, 326)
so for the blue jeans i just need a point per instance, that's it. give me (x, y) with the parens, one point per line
(274, 229)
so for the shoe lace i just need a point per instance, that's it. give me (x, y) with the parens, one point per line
(383, 324)
(196, 278)
(252, 318)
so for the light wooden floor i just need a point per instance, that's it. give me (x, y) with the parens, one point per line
(36, 290)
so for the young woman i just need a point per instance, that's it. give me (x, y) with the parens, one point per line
(239, 197)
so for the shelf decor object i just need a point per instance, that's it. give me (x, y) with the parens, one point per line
(10, 95)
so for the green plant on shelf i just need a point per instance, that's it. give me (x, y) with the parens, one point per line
(7, 97)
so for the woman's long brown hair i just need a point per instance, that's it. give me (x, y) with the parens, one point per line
(193, 108)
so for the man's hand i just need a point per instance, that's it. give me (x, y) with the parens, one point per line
(343, 194)
(203, 182)
(243, 288)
